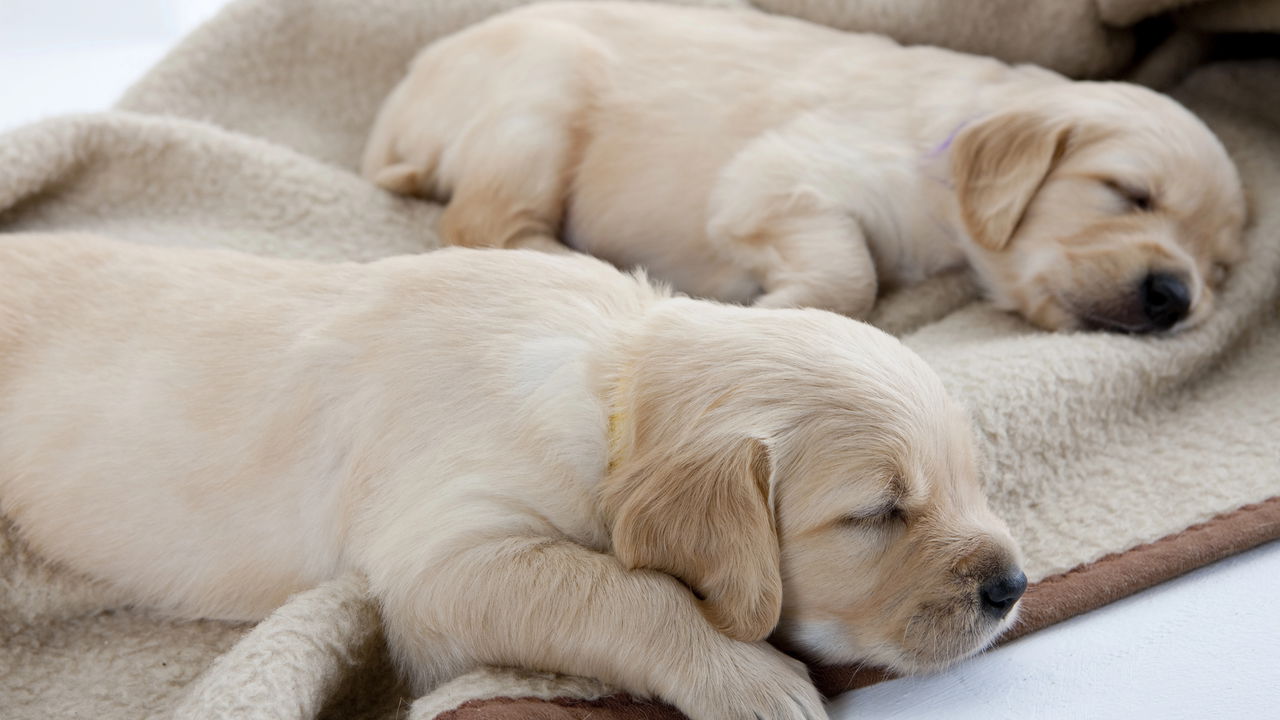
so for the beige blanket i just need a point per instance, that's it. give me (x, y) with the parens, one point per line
(246, 136)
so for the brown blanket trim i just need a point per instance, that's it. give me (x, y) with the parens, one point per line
(1049, 601)
(1091, 586)
(605, 708)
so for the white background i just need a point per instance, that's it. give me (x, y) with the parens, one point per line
(1204, 646)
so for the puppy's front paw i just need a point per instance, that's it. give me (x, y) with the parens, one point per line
(753, 682)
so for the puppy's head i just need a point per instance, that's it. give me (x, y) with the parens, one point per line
(805, 473)
(1098, 205)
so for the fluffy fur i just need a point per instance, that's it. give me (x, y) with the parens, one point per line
(753, 158)
(537, 461)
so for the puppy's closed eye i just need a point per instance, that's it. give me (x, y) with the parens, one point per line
(1138, 198)
(880, 517)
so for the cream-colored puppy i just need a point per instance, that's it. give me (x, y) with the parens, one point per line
(755, 158)
(538, 461)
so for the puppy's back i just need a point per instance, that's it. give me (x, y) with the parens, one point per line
(101, 292)
(193, 424)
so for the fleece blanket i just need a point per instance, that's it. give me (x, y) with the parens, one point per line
(1117, 461)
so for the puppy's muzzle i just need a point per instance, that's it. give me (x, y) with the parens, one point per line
(1000, 592)
(1157, 303)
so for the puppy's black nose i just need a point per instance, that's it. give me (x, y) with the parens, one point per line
(1165, 300)
(1000, 593)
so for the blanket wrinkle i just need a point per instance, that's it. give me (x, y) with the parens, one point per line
(247, 136)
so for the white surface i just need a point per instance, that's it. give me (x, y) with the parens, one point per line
(1203, 646)
(64, 56)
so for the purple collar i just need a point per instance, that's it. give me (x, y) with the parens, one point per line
(950, 138)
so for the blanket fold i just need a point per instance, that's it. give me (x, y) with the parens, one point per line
(295, 663)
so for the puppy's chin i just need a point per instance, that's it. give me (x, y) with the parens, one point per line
(1030, 295)
(830, 642)
(1044, 310)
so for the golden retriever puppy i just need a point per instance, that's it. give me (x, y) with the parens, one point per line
(536, 460)
(755, 158)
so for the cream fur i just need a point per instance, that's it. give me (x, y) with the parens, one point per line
(210, 432)
(1092, 443)
(753, 158)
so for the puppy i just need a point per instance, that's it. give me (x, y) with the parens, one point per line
(758, 159)
(537, 461)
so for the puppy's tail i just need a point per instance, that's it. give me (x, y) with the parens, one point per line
(399, 177)
(385, 168)
(383, 164)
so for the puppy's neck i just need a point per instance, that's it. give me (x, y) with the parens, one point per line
(641, 391)
(943, 148)
(942, 203)
(617, 398)
(928, 236)
(938, 189)
(617, 371)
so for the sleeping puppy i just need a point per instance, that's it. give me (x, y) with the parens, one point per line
(537, 461)
(758, 159)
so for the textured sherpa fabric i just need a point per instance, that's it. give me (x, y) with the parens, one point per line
(293, 664)
(247, 137)
(1081, 38)
(1070, 36)
(1232, 16)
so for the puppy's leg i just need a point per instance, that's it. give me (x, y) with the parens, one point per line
(512, 191)
(813, 259)
(556, 606)
(492, 119)
(516, 162)
(781, 209)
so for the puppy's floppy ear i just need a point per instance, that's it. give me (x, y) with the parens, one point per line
(702, 513)
(998, 165)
